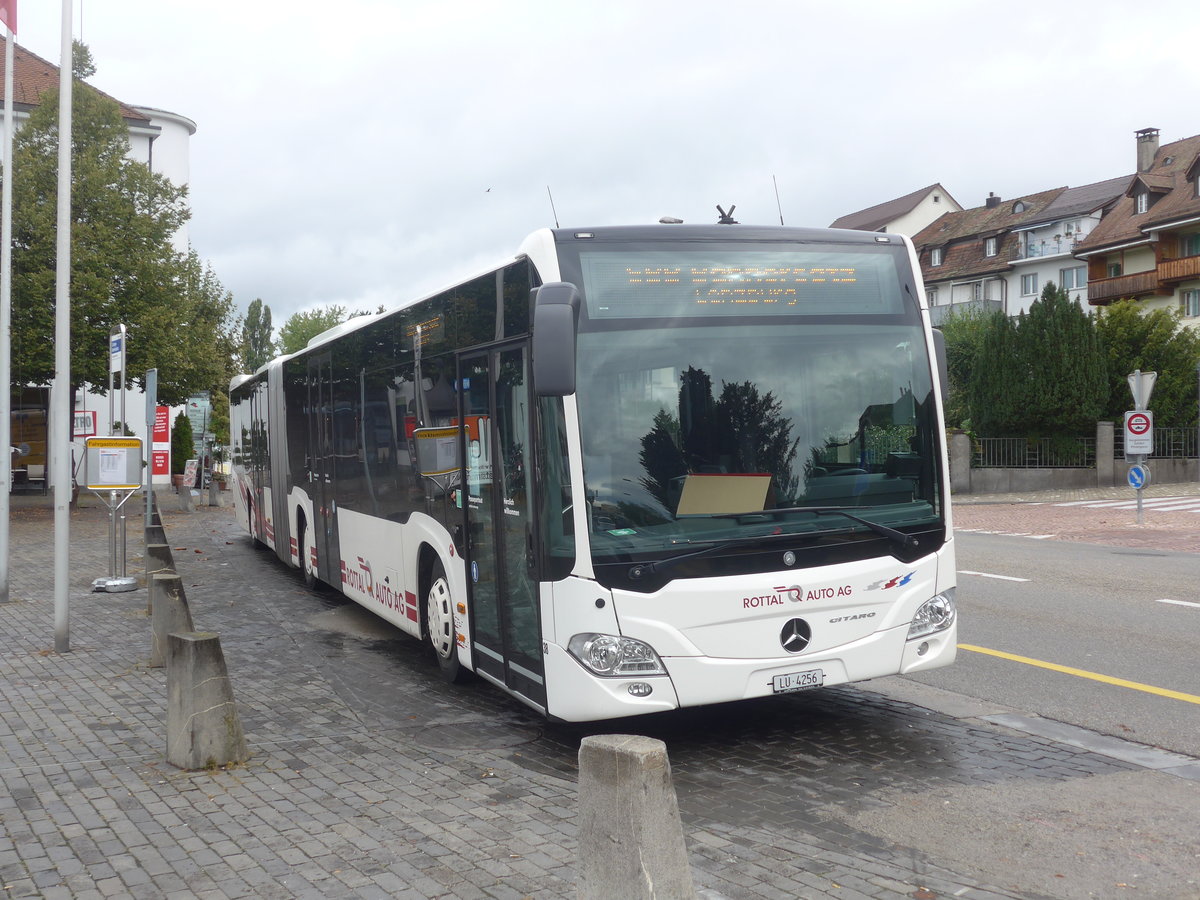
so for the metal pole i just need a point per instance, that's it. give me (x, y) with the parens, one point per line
(120, 572)
(61, 406)
(151, 416)
(6, 319)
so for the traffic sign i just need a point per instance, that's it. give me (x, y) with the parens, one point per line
(1139, 477)
(1141, 385)
(1139, 432)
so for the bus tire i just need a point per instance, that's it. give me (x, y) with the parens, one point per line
(438, 611)
(306, 544)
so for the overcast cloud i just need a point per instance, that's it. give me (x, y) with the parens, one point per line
(366, 151)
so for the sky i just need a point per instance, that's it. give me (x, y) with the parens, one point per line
(365, 152)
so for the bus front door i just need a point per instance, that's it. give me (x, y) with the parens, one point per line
(496, 429)
(320, 535)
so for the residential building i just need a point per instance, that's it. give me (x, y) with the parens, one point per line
(1148, 247)
(1045, 246)
(967, 257)
(904, 215)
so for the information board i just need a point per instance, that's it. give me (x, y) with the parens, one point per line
(113, 464)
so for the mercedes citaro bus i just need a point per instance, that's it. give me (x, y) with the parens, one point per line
(629, 469)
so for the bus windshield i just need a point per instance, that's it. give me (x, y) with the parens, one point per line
(728, 396)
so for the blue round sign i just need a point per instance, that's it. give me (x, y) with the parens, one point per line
(1139, 477)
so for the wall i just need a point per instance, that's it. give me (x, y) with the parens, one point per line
(1110, 470)
(923, 214)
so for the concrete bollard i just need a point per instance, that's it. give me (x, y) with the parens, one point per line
(185, 499)
(203, 726)
(155, 534)
(169, 613)
(630, 835)
(159, 559)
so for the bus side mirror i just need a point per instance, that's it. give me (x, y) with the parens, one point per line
(555, 325)
(939, 360)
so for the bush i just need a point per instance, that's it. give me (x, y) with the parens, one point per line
(183, 443)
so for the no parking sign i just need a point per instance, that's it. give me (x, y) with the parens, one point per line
(1139, 432)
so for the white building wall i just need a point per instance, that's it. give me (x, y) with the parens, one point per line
(923, 214)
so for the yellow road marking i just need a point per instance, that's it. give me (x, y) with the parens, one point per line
(1083, 673)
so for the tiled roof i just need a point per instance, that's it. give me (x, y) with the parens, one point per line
(1167, 178)
(875, 217)
(961, 236)
(1088, 198)
(33, 76)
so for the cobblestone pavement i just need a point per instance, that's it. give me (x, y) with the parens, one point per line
(370, 777)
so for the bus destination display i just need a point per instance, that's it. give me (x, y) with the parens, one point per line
(701, 284)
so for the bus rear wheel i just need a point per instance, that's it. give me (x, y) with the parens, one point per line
(439, 625)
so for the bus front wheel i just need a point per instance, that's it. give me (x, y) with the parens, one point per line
(439, 625)
(306, 555)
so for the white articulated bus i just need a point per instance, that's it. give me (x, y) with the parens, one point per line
(630, 469)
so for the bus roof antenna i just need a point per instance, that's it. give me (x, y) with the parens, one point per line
(726, 218)
(553, 211)
(778, 205)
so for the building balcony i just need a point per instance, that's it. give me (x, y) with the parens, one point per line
(1170, 270)
(939, 314)
(1106, 290)
(1047, 248)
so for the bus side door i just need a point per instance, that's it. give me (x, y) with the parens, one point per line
(322, 469)
(494, 419)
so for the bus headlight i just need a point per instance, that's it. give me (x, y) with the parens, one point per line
(611, 656)
(936, 614)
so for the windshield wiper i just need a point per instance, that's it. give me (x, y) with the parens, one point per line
(905, 540)
(640, 569)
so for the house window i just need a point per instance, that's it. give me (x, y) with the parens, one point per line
(977, 290)
(1190, 301)
(1074, 278)
(1142, 202)
(1019, 207)
(989, 247)
(1113, 270)
(1189, 245)
(935, 256)
(1029, 285)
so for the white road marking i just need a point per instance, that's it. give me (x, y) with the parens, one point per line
(1180, 602)
(1189, 504)
(989, 575)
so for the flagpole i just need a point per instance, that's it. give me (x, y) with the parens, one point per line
(6, 317)
(60, 405)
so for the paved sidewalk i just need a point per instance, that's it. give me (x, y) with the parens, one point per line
(371, 780)
(1170, 516)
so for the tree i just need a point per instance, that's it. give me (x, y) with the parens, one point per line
(996, 380)
(302, 327)
(258, 345)
(1066, 375)
(1153, 341)
(123, 263)
(964, 332)
(1042, 374)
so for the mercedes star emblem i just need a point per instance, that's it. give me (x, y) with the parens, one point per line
(795, 635)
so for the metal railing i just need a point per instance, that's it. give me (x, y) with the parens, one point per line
(1034, 453)
(1169, 443)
